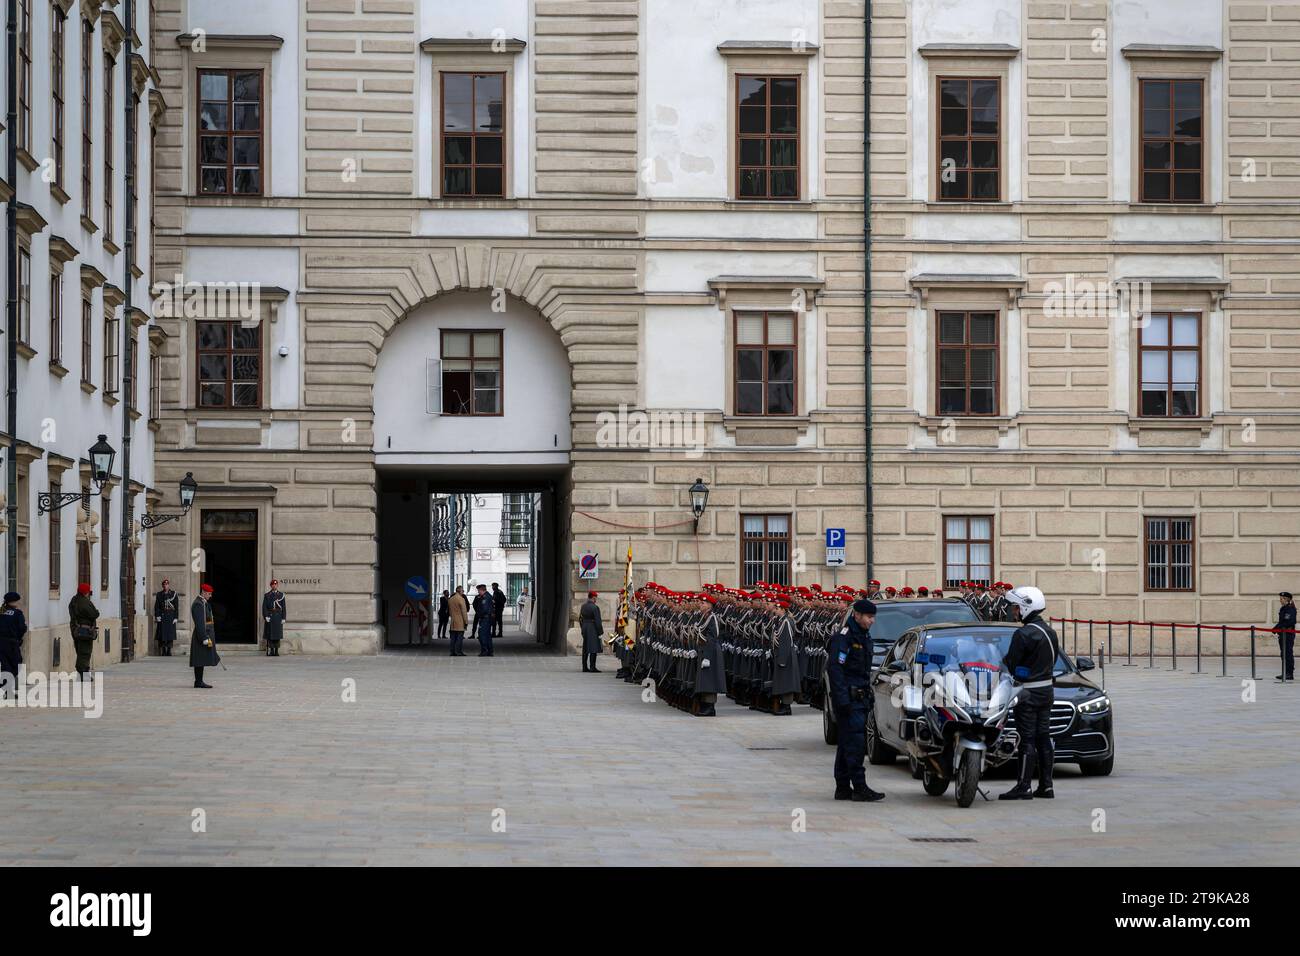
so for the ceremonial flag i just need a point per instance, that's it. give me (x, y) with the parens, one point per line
(624, 600)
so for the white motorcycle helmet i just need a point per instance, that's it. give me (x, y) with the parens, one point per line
(1028, 599)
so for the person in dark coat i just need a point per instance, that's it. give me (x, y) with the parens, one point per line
(498, 608)
(203, 636)
(444, 614)
(13, 625)
(848, 669)
(711, 674)
(1286, 635)
(165, 611)
(82, 615)
(484, 605)
(786, 679)
(274, 614)
(592, 629)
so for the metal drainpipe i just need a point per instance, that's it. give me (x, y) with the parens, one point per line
(128, 367)
(866, 293)
(11, 303)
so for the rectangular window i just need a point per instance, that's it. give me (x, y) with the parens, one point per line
(765, 549)
(110, 352)
(1169, 561)
(155, 387)
(25, 75)
(516, 520)
(56, 318)
(766, 363)
(767, 137)
(105, 539)
(59, 19)
(1173, 145)
(87, 344)
(56, 537)
(25, 295)
(970, 139)
(87, 117)
(229, 360)
(129, 368)
(473, 134)
(1169, 346)
(108, 146)
(967, 550)
(967, 353)
(230, 132)
(471, 373)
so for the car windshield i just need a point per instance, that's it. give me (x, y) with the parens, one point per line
(980, 648)
(893, 620)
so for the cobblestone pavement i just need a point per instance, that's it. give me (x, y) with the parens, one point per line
(586, 773)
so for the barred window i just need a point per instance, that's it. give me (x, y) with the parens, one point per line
(1170, 562)
(765, 549)
(967, 549)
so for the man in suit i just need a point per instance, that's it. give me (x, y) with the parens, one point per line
(484, 605)
(165, 611)
(498, 607)
(203, 636)
(444, 613)
(274, 614)
(592, 628)
(458, 618)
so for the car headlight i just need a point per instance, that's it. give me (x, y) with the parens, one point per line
(1097, 705)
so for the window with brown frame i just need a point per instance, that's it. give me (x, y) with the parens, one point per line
(56, 318)
(155, 387)
(56, 537)
(87, 343)
(1173, 144)
(472, 372)
(473, 134)
(967, 549)
(108, 146)
(129, 376)
(25, 74)
(766, 363)
(967, 353)
(58, 21)
(970, 139)
(1169, 347)
(105, 539)
(229, 358)
(230, 132)
(765, 549)
(25, 295)
(87, 118)
(767, 137)
(1170, 560)
(110, 351)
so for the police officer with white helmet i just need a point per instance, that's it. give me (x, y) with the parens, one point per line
(1030, 660)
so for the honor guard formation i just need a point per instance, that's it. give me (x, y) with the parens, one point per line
(763, 648)
(989, 601)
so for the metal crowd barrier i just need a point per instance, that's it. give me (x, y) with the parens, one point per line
(1172, 627)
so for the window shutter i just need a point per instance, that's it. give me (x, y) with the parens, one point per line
(433, 386)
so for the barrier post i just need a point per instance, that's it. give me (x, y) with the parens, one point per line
(1090, 638)
(1151, 644)
(1173, 642)
(1110, 641)
(1223, 670)
(1198, 648)
(1130, 645)
(1252, 653)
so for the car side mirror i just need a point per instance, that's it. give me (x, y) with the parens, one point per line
(1084, 664)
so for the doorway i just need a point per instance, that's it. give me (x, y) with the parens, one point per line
(229, 542)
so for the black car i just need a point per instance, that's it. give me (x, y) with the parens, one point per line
(892, 619)
(1082, 715)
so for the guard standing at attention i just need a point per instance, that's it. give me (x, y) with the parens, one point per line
(273, 616)
(786, 677)
(82, 615)
(1030, 660)
(165, 612)
(203, 636)
(848, 668)
(592, 628)
(711, 669)
(13, 625)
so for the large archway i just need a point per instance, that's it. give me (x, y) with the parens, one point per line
(472, 401)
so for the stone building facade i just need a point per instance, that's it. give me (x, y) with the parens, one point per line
(664, 184)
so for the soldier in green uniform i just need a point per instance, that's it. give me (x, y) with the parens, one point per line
(82, 615)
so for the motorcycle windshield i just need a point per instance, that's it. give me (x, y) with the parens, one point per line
(967, 670)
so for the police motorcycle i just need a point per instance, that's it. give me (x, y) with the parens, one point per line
(952, 711)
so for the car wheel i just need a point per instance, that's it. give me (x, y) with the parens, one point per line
(934, 784)
(878, 752)
(1097, 768)
(830, 729)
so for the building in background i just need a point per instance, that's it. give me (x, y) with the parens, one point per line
(85, 353)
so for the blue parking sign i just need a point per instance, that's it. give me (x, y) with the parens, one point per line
(835, 548)
(835, 537)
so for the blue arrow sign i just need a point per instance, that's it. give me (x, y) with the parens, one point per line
(417, 588)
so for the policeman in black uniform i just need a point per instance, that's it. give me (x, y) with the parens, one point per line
(1030, 660)
(1286, 635)
(13, 625)
(848, 668)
